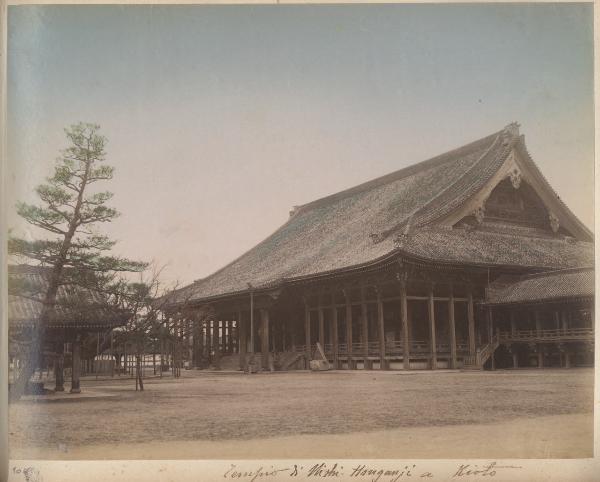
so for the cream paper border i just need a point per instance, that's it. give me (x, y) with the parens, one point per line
(215, 470)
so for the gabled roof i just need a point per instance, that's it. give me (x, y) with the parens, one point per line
(558, 285)
(393, 215)
(76, 307)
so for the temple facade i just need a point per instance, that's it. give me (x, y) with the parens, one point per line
(466, 260)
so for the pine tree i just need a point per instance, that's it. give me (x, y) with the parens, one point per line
(69, 213)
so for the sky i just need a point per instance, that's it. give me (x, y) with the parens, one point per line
(220, 119)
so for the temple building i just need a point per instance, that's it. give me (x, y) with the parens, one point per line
(466, 260)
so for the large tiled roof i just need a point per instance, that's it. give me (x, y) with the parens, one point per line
(75, 306)
(554, 285)
(365, 224)
(491, 248)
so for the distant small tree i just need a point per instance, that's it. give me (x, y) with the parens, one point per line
(69, 211)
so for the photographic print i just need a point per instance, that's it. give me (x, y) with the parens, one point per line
(301, 232)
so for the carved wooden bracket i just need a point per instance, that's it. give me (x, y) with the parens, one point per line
(515, 177)
(554, 222)
(377, 238)
(479, 213)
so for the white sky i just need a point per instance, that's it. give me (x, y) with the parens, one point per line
(220, 119)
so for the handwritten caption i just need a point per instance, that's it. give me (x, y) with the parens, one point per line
(361, 472)
(332, 471)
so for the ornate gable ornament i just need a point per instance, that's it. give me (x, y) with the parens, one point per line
(479, 213)
(515, 177)
(554, 222)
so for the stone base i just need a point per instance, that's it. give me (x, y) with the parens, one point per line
(75, 390)
(319, 365)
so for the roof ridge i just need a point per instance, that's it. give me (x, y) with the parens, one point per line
(448, 187)
(402, 173)
(502, 157)
(399, 174)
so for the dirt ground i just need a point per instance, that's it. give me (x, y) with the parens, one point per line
(352, 414)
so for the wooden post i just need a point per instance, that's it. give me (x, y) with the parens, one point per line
(381, 329)
(565, 321)
(515, 358)
(76, 365)
(364, 328)
(334, 334)
(538, 329)
(431, 311)
(321, 323)
(59, 363)
(557, 319)
(404, 321)
(452, 323)
(513, 323)
(307, 332)
(491, 336)
(567, 358)
(349, 331)
(251, 321)
(264, 337)
(242, 347)
(471, 321)
(217, 339)
(209, 342)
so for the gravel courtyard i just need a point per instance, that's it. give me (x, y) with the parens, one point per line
(215, 410)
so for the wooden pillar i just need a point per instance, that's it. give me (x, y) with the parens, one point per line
(431, 311)
(452, 323)
(76, 365)
(364, 328)
(567, 358)
(242, 342)
(471, 321)
(209, 343)
(264, 337)
(538, 329)
(381, 330)
(307, 332)
(59, 362)
(565, 321)
(334, 334)
(321, 324)
(215, 336)
(515, 358)
(513, 323)
(404, 321)
(349, 331)
(491, 335)
(251, 321)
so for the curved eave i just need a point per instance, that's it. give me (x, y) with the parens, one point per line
(540, 301)
(380, 262)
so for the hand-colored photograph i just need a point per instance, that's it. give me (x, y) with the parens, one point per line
(300, 231)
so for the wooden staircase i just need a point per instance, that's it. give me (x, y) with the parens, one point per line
(483, 354)
(290, 361)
